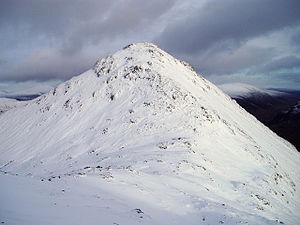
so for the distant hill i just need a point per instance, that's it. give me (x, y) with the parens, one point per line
(271, 107)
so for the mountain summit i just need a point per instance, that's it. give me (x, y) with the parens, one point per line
(148, 141)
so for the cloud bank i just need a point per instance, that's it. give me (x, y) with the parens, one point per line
(253, 41)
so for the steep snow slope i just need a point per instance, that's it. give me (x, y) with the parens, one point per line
(151, 142)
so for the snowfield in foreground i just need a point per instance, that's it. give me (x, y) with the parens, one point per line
(142, 139)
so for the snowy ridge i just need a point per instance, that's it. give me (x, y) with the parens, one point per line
(8, 103)
(161, 141)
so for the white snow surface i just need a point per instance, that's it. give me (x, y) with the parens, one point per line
(26, 89)
(142, 139)
(236, 90)
(8, 103)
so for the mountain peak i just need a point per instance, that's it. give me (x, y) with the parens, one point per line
(141, 45)
(137, 57)
(144, 122)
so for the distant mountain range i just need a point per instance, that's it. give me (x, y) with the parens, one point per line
(273, 107)
(26, 93)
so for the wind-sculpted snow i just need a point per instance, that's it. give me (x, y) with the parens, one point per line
(148, 141)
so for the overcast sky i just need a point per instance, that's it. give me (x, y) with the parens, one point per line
(44, 42)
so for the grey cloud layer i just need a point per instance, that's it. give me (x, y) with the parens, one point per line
(289, 62)
(230, 23)
(215, 39)
(51, 64)
(70, 31)
(56, 39)
(77, 23)
(227, 62)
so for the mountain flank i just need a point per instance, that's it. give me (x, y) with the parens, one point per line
(144, 139)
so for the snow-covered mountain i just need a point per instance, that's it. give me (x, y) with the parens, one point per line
(240, 90)
(272, 107)
(8, 103)
(24, 90)
(141, 138)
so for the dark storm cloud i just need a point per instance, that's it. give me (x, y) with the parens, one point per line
(75, 23)
(61, 29)
(285, 80)
(295, 40)
(52, 20)
(228, 62)
(56, 39)
(125, 17)
(288, 62)
(49, 64)
(229, 24)
(294, 77)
